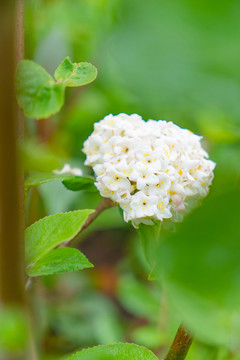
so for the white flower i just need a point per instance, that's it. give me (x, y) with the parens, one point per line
(162, 209)
(114, 180)
(143, 205)
(143, 175)
(152, 169)
(68, 170)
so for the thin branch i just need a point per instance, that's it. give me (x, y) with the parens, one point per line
(180, 345)
(103, 205)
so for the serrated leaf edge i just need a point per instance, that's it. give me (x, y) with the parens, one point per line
(67, 212)
(105, 346)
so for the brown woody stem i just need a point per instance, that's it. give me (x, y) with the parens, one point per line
(103, 205)
(11, 189)
(180, 345)
(11, 179)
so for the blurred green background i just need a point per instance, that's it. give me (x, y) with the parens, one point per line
(173, 60)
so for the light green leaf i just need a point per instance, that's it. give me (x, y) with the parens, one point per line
(58, 261)
(79, 183)
(37, 93)
(75, 74)
(115, 352)
(45, 234)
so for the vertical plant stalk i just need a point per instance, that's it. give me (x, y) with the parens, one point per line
(19, 55)
(180, 345)
(11, 191)
(11, 228)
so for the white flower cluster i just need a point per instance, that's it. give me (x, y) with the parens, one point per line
(68, 170)
(150, 168)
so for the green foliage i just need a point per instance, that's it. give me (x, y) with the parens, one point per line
(39, 95)
(45, 234)
(150, 238)
(75, 74)
(58, 261)
(37, 157)
(37, 92)
(40, 179)
(137, 298)
(189, 81)
(115, 352)
(79, 320)
(150, 336)
(199, 265)
(13, 329)
(79, 183)
(71, 182)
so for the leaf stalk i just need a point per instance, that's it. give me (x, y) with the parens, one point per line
(180, 345)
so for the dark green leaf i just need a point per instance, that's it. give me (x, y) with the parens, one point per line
(37, 93)
(58, 261)
(78, 183)
(45, 234)
(75, 74)
(115, 352)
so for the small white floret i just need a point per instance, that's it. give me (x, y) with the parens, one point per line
(68, 170)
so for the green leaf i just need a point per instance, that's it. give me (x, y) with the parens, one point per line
(45, 234)
(37, 93)
(199, 265)
(79, 183)
(115, 352)
(75, 74)
(58, 261)
(71, 182)
(40, 179)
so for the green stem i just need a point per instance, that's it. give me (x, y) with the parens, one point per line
(180, 345)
